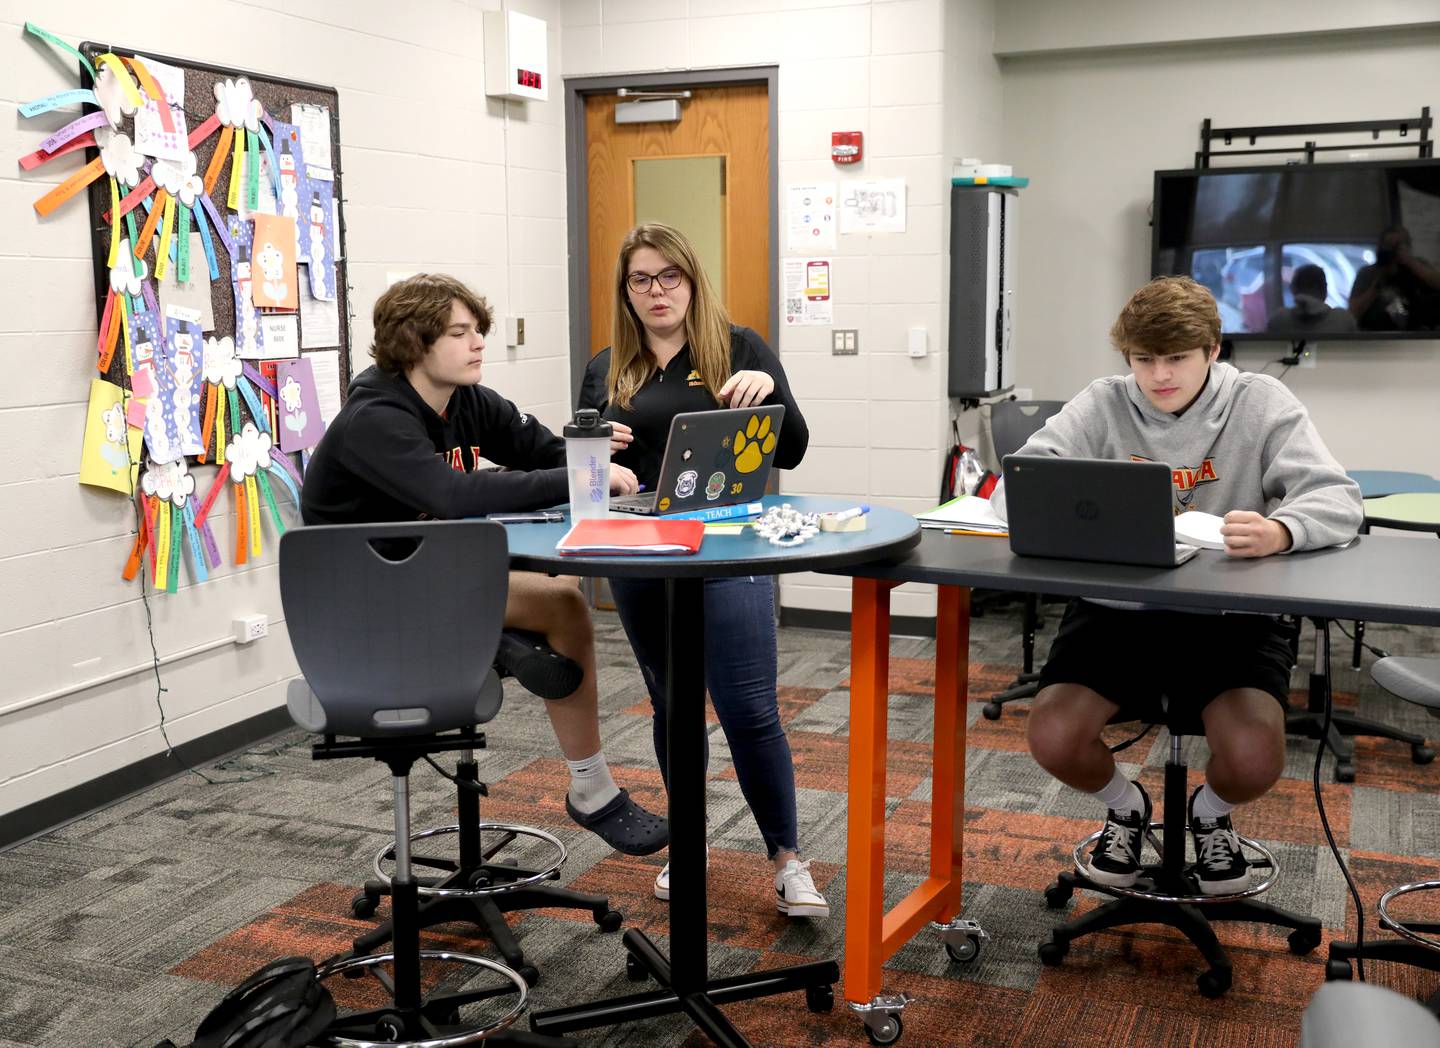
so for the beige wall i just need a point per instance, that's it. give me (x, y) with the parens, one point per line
(1090, 129)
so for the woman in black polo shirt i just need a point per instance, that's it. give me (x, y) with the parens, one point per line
(674, 350)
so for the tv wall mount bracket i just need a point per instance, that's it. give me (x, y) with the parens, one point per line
(1421, 141)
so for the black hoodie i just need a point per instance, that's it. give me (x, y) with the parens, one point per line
(389, 457)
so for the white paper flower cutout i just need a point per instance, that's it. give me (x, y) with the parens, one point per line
(236, 105)
(221, 365)
(177, 177)
(118, 155)
(290, 393)
(248, 452)
(168, 480)
(114, 419)
(128, 272)
(113, 98)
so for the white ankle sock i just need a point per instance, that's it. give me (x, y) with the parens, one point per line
(591, 785)
(1121, 794)
(1209, 805)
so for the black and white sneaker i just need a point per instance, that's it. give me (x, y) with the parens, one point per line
(1115, 859)
(1220, 865)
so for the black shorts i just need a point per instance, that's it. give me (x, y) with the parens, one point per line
(1134, 657)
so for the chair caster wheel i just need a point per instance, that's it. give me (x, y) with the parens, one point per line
(363, 905)
(529, 973)
(1213, 983)
(390, 1026)
(1338, 971)
(1422, 754)
(887, 1031)
(965, 952)
(820, 999)
(609, 920)
(1057, 895)
(1344, 771)
(991, 710)
(1303, 940)
(634, 970)
(1052, 953)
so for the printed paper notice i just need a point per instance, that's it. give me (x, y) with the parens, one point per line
(326, 367)
(873, 207)
(811, 222)
(319, 319)
(314, 122)
(807, 291)
(280, 340)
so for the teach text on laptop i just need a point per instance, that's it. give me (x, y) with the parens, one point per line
(712, 458)
(1092, 509)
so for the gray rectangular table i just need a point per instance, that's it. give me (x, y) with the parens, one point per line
(1383, 579)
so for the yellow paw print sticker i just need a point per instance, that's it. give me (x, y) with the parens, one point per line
(752, 444)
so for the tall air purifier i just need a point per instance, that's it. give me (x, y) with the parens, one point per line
(982, 290)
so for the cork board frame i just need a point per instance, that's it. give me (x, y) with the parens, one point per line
(276, 94)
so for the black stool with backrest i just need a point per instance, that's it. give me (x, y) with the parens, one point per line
(395, 628)
(1415, 680)
(1012, 423)
(1167, 891)
(470, 887)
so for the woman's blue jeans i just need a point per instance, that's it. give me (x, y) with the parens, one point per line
(740, 673)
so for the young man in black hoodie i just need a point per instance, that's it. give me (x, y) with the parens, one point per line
(408, 445)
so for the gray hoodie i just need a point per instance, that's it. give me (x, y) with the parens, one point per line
(1246, 443)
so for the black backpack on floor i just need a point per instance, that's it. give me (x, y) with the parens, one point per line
(283, 1005)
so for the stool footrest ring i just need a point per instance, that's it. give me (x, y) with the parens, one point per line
(1263, 859)
(548, 872)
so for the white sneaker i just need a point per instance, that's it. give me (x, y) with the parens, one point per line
(662, 879)
(795, 892)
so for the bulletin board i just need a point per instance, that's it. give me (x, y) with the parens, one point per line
(276, 95)
(222, 296)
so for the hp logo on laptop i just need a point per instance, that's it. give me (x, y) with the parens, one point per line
(1085, 509)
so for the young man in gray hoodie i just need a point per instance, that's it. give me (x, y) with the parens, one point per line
(1241, 446)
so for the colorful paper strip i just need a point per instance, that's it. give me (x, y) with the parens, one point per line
(74, 96)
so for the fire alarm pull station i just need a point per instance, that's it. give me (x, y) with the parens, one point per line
(847, 147)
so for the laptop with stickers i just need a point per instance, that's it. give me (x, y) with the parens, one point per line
(712, 458)
(1093, 509)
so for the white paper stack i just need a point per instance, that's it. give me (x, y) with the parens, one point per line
(966, 513)
(1199, 529)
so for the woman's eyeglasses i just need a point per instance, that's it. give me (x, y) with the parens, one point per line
(669, 279)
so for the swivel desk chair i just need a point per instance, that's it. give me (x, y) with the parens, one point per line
(396, 688)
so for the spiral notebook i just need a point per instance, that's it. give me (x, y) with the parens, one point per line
(641, 537)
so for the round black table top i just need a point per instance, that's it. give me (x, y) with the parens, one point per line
(888, 533)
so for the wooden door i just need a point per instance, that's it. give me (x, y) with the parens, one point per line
(720, 149)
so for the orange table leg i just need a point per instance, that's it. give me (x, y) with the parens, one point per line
(872, 935)
(865, 856)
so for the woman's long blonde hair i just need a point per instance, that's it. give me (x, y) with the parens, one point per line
(707, 325)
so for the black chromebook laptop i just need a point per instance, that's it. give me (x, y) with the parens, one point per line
(1093, 509)
(712, 458)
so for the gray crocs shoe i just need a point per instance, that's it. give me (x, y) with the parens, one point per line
(624, 825)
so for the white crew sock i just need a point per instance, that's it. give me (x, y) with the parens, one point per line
(591, 785)
(1209, 805)
(1121, 795)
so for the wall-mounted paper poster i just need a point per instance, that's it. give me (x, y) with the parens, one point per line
(314, 123)
(272, 274)
(249, 338)
(326, 367)
(873, 207)
(282, 339)
(806, 290)
(300, 423)
(322, 232)
(110, 457)
(294, 184)
(154, 134)
(810, 222)
(319, 319)
(179, 375)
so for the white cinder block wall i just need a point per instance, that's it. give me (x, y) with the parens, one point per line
(1090, 124)
(437, 176)
(889, 69)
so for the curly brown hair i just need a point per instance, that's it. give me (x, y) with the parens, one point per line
(413, 313)
(1167, 315)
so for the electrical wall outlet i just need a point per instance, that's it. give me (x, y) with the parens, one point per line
(844, 342)
(250, 628)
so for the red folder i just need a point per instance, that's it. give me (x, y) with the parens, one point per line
(643, 537)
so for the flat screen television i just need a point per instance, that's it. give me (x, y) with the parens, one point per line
(1343, 251)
